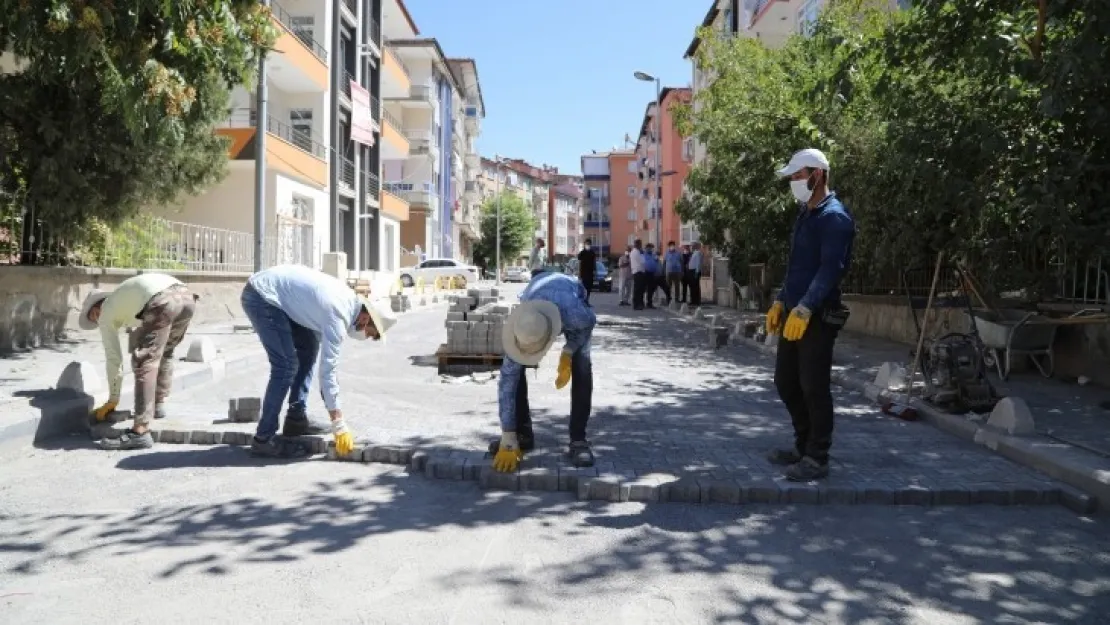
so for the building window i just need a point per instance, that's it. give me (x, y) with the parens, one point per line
(807, 16)
(688, 149)
(632, 166)
(300, 121)
(631, 191)
(631, 239)
(632, 214)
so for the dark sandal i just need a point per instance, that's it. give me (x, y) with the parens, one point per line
(580, 454)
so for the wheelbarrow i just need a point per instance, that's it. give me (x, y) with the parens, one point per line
(1009, 332)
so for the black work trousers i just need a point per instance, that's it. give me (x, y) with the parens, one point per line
(803, 377)
(639, 288)
(581, 397)
(695, 288)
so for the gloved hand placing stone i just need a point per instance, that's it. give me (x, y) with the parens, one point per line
(774, 318)
(101, 413)
(562, 375)
(796, 323)
(344, 440)
(508, 455)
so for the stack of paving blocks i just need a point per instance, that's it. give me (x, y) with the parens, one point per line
(475, 321)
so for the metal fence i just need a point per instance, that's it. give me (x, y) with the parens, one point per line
(153, 243)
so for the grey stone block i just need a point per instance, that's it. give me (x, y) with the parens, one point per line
(385, 454)
(913, 495)
(1077, 501)
(202, 349)
(602, 488)
(355, 455)
(951, 496)
(244, 409)
(569, 477)
(236, 438)
(645, 489)
(156, 435)
(204, 437)
(444, 467)
(539, 478)
(494, 480)
(995, 495)
(1025, 496)
(473, 463)
(839, 495)
(873, 494)
(722, 491)
(763, 492)
(416, 463)
(682, 490)
(800, 493)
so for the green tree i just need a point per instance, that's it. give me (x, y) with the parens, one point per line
(113, 108)
(518, 228)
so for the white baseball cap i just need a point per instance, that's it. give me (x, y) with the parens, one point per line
(810, 157)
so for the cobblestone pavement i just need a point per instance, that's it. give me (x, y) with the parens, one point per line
(673, 420)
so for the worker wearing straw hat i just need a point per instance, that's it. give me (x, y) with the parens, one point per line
(550, 305)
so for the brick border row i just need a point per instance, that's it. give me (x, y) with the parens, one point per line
(605, 484)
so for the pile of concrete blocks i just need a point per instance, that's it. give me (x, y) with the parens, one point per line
(475, 322)
(244, 409)
(399, 303)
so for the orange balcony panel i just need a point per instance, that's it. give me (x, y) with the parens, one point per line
(397, 142)
(395, 206)
(240, 138)
(289, 50)
(280, 155)
(396, 74)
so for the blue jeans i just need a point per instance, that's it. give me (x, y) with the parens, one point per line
(292, 350)
(581, 394)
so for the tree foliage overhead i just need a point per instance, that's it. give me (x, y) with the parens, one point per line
(518, 228)
(977, 128)
(110, 107)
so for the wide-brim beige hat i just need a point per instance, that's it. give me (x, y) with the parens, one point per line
(91, 300)
(529, 331)
(383, 320)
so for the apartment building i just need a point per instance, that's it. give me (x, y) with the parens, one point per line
(563, 223)
(532, 184)
(662, 150)
(599, 193)
(321, 155)
(628, 202)
(469, 112)
(575, 223)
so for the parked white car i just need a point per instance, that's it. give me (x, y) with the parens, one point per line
(517, 274)
(433, 268)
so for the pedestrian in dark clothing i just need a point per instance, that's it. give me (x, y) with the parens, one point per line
(673, 262)
(694, 268)
(820, 253)
(651, 275)
(587, 268)
(685, 274)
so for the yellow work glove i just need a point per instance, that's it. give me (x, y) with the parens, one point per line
(108, 408)
(344, 440)
(774, 318)
(562, 375)
(508, 454)
(796, 323)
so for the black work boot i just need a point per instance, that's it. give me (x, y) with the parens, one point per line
(784, 457)
(806, 470)
(297, 423)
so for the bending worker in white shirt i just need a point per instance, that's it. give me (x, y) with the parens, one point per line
(162, 307)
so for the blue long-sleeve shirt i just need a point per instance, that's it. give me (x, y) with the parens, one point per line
(820, 253)
(651, 263)
(673, 260)
(318, 302)
(578, 321)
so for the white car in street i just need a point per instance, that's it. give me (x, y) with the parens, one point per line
(517, 274)
(433, 268)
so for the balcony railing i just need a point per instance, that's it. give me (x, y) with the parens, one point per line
(373, 185)
(376, 110)
(413, 193)
(245, 118)
(391, 119)
(399, 62)
(352, 6)
(347, 174)
(376, 33)
(306, 38)
(345, 87)
(422, 92)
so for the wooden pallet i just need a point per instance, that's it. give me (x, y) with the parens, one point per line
(446, 359)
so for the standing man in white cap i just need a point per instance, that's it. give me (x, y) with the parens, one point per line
(302, 315)
(550, 305)
(160, 308)
(820, 253)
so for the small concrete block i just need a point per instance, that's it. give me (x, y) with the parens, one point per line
(236, 438)
(913, 495)
(698, 313)
(1023, 496)
(540, 478)
(183, 437)
(676, 305)
(455, 317)
(1012, 416)
(1077, 501)
(763, 492)
(473, 463)
(684, 309)
(318, 444)
(473, 293)
(202, 349)
(244, 409)
(80, 376)
(389, 454)
(873, 494)
(995, 495)
(801, 493)
(722, 491)
(682, 490)
(495, 480)
(601, 488)
(156, 436)
(951, 496)
(417, 462)
(570, 476)
(839, 495)
(444, 467)
(645, 488)
(102, 430)
(203, 437)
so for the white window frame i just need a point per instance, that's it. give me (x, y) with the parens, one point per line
(631, 190)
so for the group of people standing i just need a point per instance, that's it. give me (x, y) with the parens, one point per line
(643, 272)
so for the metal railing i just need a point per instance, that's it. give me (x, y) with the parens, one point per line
(391, 120)
(347, 174)
(352, 6)
(422, 92)
(399, 62)
(245, 118)
(373, 185)
(376, 33)
(144, 242)
(345, 87)
(286, 20)
(375, 109)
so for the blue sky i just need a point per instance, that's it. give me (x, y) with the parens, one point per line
(557, 76)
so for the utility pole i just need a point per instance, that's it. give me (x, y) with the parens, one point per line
(261, 123)
(497, 203)
(658, 166)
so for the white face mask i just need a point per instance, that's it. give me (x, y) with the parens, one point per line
(801, 190)
(356, 334)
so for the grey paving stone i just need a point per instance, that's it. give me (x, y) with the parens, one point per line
(683, 490)
(569, 477)
(877, 494)
(605, 487)
(493, 480)
(473, 463)
(203, 437)
(418, 461)
(913, 495)
(722, 491)
(951, 496)
(641, 488)
(1026, 496)
(800, 493)
(444, 467)
(1077, 501)
(236, 438)
(763, 492)
(990, 494)
(539, 479)
(839, 495)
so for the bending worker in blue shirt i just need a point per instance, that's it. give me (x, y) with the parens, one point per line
(302, 315)
(820, 253)
(551, 304)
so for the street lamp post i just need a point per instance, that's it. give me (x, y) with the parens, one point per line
(658, 209)
(497, 204)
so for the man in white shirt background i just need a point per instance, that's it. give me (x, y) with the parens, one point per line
(538, 259)
(694, 268)
(160, 308)
(639, 277)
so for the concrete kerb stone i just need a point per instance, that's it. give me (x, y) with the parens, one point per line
(612, 483)
(1082, 489)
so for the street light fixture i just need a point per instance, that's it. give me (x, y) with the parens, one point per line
(658, 196)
